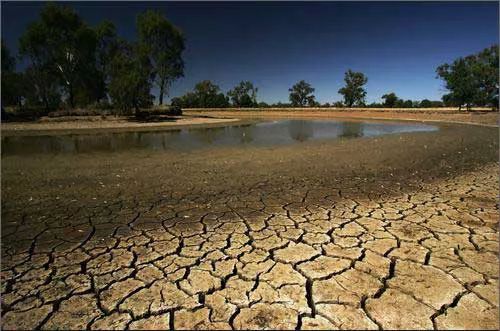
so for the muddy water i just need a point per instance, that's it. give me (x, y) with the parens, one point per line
(270, 133)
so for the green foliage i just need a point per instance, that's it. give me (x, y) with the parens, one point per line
(187, 100)
(436, 104)
(459, 81)
(106, 48)
(205, 95)
(40, 89)
(40, 74)
(281, 105)
(8, 61)
(375, 105)
(485, 71)
(11, 80)
(209, 96)
(60, 47)
(243, 95)
(174, 111)
(301, 95)
(131, 78)
(314, 103)
(472, 80)
(354, 93)
(12, 88)
(390, 100)
(407, 104)
(84, 65)
(425, 103)
(400, 103)
(164, 44)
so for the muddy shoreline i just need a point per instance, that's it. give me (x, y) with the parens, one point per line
(477, 118)
(211, 119)
(113, 125)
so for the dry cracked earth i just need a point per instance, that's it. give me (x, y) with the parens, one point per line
(274, 248)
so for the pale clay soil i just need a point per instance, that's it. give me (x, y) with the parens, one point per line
(402, 233)
(96, 124)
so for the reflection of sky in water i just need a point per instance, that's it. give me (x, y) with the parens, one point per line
(259, 134)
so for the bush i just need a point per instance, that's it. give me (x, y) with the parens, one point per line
(100, 105)
(75, 112)
(205, 95)
(23, 114)
(174, 110)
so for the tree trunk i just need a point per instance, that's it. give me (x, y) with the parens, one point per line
(162, 87)
(71, 97)
(46, 102)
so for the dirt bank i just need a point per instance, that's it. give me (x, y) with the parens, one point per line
(483, 118)
(94, 124)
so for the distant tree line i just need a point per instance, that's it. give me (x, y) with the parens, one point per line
(73, 65)
(471, 81)
(206, 94)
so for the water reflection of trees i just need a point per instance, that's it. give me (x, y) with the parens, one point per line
(38, 144)
(91, 143)
(207, 135)
(190, 139)
(245, 132)
(351, 130)
(300, 130)
(157, 140)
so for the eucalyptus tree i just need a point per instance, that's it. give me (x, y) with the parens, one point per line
(208, 95)
(131, 78)
(60, 46)
(243, 95)
(205, 95)
(106, 48)
(460, 82)
(40, 73)
(354, 92)
(301, 94)
(164, 43)
(390, 99)
(486, 70)
(11, 80)
(472, 80)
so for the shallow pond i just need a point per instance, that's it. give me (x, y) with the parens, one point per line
(268, 133)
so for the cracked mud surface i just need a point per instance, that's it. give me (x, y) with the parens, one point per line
(377, 233)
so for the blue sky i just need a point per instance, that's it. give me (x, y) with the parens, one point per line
(398, 45)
